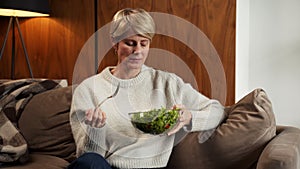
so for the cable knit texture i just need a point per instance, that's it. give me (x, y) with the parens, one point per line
(118, 141)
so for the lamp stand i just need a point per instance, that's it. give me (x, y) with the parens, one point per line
(12, 22)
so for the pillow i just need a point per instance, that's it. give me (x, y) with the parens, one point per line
(236, 143)
(45, 123)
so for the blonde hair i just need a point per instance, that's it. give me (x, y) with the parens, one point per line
(129, 21)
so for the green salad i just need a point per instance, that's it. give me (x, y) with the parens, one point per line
(155, 121)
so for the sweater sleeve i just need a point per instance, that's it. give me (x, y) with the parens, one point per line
(206, 113)
(208, 117)
(81, 102)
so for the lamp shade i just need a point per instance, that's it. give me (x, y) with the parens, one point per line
(24, 8)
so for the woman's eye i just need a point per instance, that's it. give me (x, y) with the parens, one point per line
(130, 43)
(134, 43)
(144, 43)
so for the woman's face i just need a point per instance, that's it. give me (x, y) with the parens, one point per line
(133, 51)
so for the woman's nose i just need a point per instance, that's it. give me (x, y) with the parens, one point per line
(137, 49)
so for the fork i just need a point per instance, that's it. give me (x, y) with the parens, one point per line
(111, 96)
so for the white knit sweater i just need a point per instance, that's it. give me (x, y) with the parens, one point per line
(118, 141)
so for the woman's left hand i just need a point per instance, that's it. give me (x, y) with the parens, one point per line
(184, 119)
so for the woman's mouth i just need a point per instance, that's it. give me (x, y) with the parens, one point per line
(135, 59)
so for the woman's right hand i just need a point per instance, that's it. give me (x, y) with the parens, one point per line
(95, 117)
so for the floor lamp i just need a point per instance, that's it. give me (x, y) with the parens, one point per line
(21, 8)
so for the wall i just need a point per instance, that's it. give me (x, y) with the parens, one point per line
(242, 49)
(274, 54)
(55, 44)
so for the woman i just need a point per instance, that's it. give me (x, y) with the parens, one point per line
(106, 137)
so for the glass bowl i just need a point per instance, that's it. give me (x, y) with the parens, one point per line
(156, 121)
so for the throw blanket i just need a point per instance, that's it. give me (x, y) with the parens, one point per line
(14, 95)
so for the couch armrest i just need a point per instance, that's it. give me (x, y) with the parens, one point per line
(283, 151)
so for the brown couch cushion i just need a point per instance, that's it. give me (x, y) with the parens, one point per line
(236, 143)
(38, 161)
(45, 123)
(283, 151)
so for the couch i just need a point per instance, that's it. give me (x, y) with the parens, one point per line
(248, 138)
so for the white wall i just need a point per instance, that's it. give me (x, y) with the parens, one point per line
(268, 54)
(242, 48)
